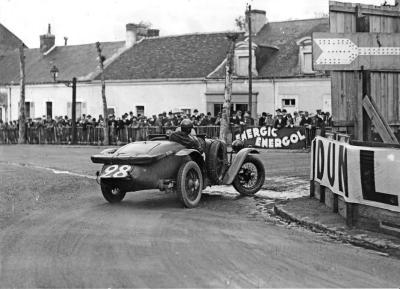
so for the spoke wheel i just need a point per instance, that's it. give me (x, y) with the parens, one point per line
(189, 184)
(251, 176)
(216, 162)
(112, 194)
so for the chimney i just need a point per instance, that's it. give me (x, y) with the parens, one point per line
(153, 32)
(258, 20)
(47, 41)
(131, 34)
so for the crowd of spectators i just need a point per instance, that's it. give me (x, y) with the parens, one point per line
(281, 119)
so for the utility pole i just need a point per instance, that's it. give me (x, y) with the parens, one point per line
(101, 59)
(250, 62)
(229, 69)
(21, 118)
(73, 124)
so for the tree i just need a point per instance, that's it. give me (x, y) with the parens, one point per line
(101, 60)
(21, 117)
(229, 69)
(240, 23)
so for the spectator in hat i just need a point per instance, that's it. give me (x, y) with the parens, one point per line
(279, 123)
(196, 114)
(306, 121)
(269, 121)
(296, 119)
(262, 119)
(247, 119)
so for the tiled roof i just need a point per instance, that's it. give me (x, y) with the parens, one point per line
(284, 35)
(183, 56)
(8, 41)
(72, 61)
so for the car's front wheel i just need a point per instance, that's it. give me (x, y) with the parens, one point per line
(111, 193)
(189, 184)
(251, 176)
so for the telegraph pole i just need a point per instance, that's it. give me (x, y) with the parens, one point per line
(250, 62)
(21, 118)
(73, 116)
(229, 69)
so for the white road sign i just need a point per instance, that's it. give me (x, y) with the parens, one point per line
(352, 51)
(344, 51)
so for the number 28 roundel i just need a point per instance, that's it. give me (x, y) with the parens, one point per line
(116, 171)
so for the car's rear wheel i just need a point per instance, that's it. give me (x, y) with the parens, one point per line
(216, 161)
(251, 176)
(112, 193)
(189, 184)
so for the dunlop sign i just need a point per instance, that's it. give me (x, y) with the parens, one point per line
(360, 175)
(354, 51)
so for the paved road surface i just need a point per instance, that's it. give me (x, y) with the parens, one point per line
(67, 236)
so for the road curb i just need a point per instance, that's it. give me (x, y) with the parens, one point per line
(358, 240)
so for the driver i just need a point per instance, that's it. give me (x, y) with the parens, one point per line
(185, 137)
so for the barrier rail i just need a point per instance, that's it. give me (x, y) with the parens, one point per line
(92, 135)
(118, 136)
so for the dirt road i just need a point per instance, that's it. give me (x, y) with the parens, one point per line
(66, 235)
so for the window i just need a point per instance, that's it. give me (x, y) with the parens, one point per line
(80, 109)
(139, 110)
(29, 109)
(49, 109)
(186, 110)
(217, 108)
(308, 63)
(241, 106)
(243, 66)
(288, 102)
(305, 55)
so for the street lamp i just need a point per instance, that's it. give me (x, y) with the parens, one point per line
(54, 72)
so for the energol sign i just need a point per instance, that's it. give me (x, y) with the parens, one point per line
(269, 137)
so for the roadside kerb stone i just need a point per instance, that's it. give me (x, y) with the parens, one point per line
(358, 237)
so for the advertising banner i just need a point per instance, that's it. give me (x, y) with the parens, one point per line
(362, 175)
(269, 137)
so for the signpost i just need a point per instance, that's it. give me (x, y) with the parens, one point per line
(356, 51)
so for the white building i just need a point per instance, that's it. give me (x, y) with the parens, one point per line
(149, 74)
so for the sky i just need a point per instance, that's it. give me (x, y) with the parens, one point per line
(88, 21)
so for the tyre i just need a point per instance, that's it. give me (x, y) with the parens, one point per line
(216, 161)
(189, 184)
(251, 176)
(112, 194)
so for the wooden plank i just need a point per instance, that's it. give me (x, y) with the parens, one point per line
(352, 51)
(332, 22)
(390, 100)
(379, 122)
(342, 97)
(365, 10)
(335, 94)
(358, 114)
(343, 123)
(395, 97)
(398, 93)
(383, 96)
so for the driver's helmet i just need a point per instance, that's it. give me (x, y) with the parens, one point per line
(186, 126)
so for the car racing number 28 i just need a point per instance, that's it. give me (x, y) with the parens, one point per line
(116, 171)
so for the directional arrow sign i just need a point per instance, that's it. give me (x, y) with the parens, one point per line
(372, 51)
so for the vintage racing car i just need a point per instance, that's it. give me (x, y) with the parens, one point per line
(169, 166)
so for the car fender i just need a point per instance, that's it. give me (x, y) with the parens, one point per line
(236, 164)
(194, 155)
